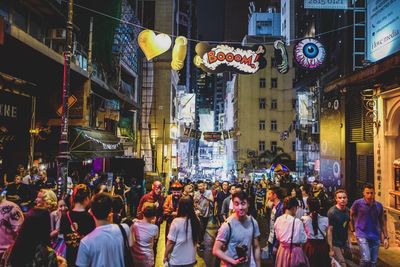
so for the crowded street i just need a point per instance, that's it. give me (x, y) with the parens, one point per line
(199, 133)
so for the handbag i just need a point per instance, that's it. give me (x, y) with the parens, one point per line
(303, 263)
(127, 251)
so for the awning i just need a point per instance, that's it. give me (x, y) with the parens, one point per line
(90, 143)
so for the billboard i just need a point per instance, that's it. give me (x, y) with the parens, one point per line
(383, 28)
(326, 4)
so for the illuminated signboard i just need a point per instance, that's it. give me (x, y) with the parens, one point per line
(383, 28)
(221, 58)
(309, 53)
(326, 4)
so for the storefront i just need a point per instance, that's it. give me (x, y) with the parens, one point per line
(16, 117)
(372, 119)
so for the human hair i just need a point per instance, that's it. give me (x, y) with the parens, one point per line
(239, 185)
(34, 231)
(290, 202)
(314, 207)
(117, 204)
(80, 194)
(225, 182)
(277, 191)
(299, 197)
(186, 209)
(50, 198)
(368, 186)
(242, 195)
(149, 211)
(102, 205)
(340, 191)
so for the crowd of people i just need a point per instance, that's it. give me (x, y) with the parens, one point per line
(95, 224)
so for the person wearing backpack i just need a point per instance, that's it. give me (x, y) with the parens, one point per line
(109, 244)
(237, 240)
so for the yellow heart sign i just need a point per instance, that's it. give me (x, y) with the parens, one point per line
(153, 45)
(179, 53)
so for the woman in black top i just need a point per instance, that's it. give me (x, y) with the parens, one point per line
(120, 189)
(76, 223)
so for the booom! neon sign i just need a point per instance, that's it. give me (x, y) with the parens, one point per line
(220, 58)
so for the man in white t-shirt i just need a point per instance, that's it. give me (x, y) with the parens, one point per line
(104, 246)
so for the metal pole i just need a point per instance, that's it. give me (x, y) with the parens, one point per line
(163, 144)
(63, 155)
(32, 139)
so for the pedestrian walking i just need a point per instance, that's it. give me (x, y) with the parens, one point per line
(296, 193)
(339, 219)
(368, 224)
(227, 204)
(76, 223)
(183, 236)
(290, 234)
(171, 205)
(109, 244)
(315, 225)
(221, 196)
(274, 196)
(144, 234)
(260, 200)
(203, 202)
(57, 239)
(237, 240)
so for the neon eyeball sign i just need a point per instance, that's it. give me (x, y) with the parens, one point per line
(309, 53)
(220, 58)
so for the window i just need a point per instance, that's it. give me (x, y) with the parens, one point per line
(274, 104)
(261, 145)
(261, 103)
(273, 145)
(294, 102)
(262, 82)
(274, 82)
(263, 23)
(273, 62)
(261, 125)
(294, 146)
(274, 125)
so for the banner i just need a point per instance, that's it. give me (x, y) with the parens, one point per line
(222, 58)
(212, 136)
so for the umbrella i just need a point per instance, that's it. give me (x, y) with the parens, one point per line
(279, 167)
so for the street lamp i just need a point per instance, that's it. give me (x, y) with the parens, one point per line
(63, 153)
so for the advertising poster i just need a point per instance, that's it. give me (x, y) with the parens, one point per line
(383, 28)
(331, 165)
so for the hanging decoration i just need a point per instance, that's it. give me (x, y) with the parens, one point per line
(221, 58)
(153, 45)
(309, 53)
(281, 57)
(210, 136)
(179, 53)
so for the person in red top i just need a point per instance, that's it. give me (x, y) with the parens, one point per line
(171, 205)
(155, 197)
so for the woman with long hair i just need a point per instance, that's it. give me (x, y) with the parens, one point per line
(76, 223)
(296, 193)
(183, 235)
(119, 188)
(31, 248)
(316, 226)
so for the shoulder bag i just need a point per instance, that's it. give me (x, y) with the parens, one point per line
(127, 251)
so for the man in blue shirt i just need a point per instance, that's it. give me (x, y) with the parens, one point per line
(367, 217)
